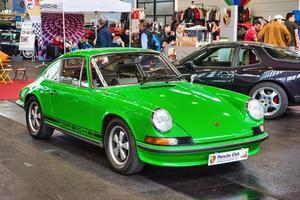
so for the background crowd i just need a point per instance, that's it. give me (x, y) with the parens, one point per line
(281, 32)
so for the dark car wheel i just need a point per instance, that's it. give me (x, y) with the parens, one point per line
(27, 54)
(120, 148)
(272, 97)
(35, 120)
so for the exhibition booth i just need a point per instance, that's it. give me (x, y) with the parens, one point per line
(67, 18)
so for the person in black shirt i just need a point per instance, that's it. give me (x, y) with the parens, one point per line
(125, 38)
(293, 29)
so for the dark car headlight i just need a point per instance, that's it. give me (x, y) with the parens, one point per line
(255, 109)
(162, 120)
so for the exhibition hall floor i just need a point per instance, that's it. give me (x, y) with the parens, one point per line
(66, 168)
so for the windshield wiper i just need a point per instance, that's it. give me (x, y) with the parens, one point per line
(155, 77)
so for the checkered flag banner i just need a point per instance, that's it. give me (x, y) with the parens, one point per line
(37, 28)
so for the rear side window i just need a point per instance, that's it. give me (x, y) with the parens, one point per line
(72, 72)
(248, 57)
(52, 71)
(282, 54)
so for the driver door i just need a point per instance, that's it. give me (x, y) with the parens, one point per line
(215, 67)
(72, 98)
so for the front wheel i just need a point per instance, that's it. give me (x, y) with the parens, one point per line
(121, 149)
(35, 120)
(272, 97)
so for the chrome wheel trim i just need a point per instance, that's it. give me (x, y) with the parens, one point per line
(266, 96)
(118, 144)
(34, 117)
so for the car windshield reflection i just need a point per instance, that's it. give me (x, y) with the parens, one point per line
(128, 69)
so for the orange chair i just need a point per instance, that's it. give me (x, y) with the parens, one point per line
(5, 73)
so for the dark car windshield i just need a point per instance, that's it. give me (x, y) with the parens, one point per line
(131, 68)
(282, 54)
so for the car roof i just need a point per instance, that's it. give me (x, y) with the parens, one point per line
(98, 51)
(240, 43)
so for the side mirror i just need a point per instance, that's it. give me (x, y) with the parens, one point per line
(190, 66)
(193, 77)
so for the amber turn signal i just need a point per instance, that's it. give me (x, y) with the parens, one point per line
(161, 141)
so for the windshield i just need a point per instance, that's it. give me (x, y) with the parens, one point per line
(131, 68)
(282, 54)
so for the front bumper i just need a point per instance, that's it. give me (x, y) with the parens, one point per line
(20, 103)
(181, 156)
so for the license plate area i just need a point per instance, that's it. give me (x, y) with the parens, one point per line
(228, 157)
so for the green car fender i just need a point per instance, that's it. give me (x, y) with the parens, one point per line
(138, 118)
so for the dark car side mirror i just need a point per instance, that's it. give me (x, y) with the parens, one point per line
(190, 66)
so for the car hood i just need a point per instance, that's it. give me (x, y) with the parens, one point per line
(204, 113)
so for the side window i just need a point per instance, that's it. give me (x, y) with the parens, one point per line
(247, 57)
(217, 57)
(53, 71)
(71, 71)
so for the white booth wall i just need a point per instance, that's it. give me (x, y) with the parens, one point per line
(263, 8)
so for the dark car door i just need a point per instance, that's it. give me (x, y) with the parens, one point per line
(214, 66)
(248, 69)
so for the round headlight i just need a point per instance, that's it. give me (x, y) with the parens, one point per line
(255, 109)
(162, 120)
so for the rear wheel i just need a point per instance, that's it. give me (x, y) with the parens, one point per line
(272, 97)
(27, 54)
(121, 149)
(35, 120)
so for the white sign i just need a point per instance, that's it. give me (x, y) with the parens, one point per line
(27, 38)
(227, 157)
(229, 23)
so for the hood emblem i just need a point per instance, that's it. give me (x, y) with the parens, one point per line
(217, 124)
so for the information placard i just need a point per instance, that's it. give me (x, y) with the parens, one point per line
(27, 38)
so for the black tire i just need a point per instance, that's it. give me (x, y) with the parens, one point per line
(132, 163)
(282, 98)
(43, 131)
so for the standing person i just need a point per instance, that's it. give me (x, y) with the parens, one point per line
(276, 33)
(293, 29)
(165, 35)
(104, 36)
(125, 38)
(251, 34)
(145, 35)
(216, 29)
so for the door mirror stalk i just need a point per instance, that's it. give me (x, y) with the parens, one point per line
(193, 77)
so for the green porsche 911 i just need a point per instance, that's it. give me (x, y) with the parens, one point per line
(137, 106)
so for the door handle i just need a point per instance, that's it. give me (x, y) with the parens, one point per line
(225, 73)
(52, 92)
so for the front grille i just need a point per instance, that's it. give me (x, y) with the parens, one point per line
(184, 140)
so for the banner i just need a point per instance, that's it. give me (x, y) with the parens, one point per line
(34, 10)
(27, 38)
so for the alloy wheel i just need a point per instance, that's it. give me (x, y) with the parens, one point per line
(34, 117)
(269, 98)
(119, 145)
(28, 54)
